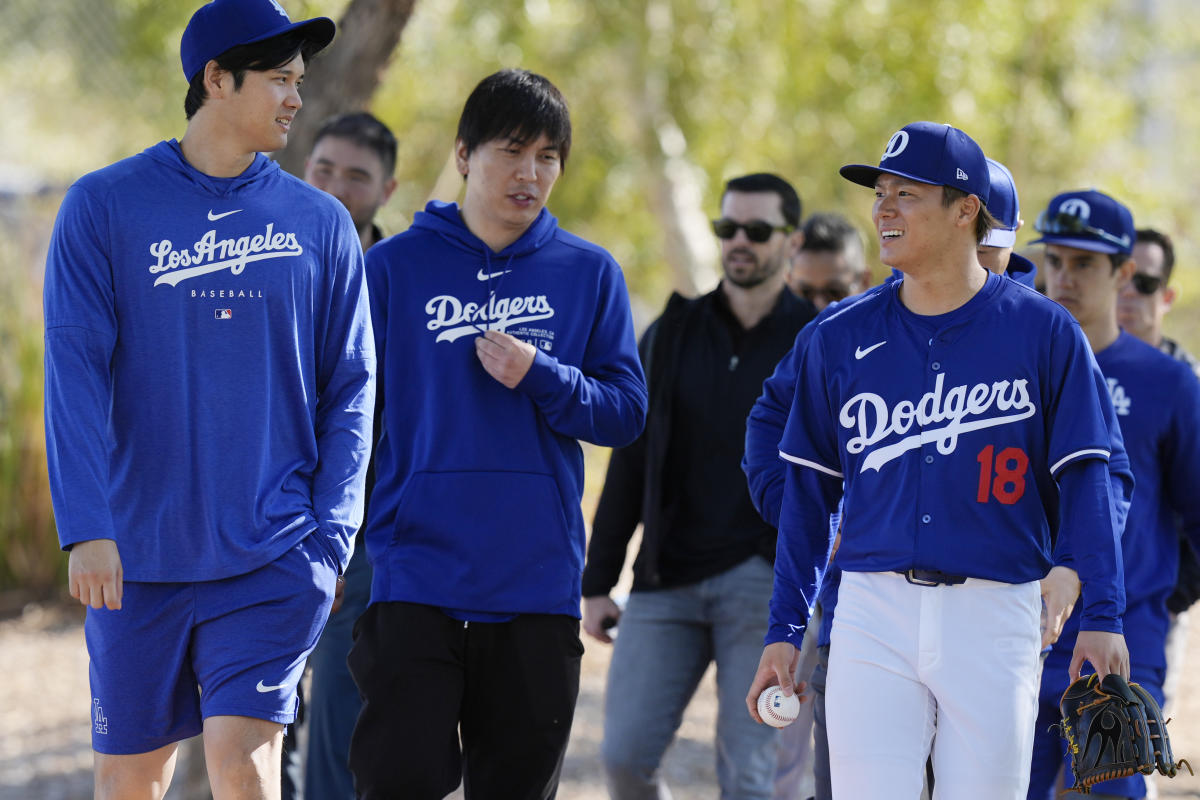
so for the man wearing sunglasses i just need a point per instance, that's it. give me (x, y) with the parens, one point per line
(1147, 298)
(1089, 239)
(829, 265)
(703, 572)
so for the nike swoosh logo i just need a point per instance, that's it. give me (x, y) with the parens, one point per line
(860, 352)
(483, 276)
(264, 689)
(214, 217)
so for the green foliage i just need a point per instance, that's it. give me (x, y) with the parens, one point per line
(29, 552)
(1068, 93)
(1056, 90)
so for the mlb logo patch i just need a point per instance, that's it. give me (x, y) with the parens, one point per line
(224, 313)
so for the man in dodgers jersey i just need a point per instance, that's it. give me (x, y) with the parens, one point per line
(950, 460)
(766, 471)
(209, 387)
(1089, 239)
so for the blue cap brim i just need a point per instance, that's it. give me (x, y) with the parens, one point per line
(1092, 245)
(318, 30)
(866, 175)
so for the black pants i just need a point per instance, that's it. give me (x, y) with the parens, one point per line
(508, 688)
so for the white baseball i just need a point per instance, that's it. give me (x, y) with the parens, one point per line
(776, 708)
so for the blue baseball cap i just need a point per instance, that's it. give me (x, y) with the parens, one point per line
(929, 152)
(1004, 206)
(1087, 220)
(225, 24)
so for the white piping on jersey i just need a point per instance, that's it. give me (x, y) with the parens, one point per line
(850, 303)
(810, 464)
(1080, 454)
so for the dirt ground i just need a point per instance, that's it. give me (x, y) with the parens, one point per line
(45, 719)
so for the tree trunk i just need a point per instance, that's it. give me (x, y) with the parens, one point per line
(677, 199)
(676, 192)
(346, 74)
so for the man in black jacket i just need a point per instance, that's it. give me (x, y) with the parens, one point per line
(703, 574)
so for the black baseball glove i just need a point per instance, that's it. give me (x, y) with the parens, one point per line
(1114, 729)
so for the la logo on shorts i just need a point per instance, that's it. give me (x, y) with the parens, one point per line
(101, 721)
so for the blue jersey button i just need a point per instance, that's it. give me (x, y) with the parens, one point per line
(936, 365)
(926, 519)
(928, 459)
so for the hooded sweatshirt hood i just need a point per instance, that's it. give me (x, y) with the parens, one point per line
(170, 156)
(446, 220)
(198, 321)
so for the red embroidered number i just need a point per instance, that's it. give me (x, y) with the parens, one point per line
(1007, 482)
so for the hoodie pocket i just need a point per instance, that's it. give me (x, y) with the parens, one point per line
(487, 541)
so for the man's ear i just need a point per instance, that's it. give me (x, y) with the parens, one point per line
(795, 242)
(968, 208)
(389, 186)
(1169, 296)
(460, 157)
(217, 82)
(1125, 271)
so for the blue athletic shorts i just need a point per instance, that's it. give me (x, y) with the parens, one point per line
(178, 653)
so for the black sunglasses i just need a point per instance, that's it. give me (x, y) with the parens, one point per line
(1146, 284)
(1062, 223)
(757, 230)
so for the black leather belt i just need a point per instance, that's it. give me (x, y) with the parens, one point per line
(930, 577)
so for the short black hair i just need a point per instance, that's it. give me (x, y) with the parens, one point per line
(1151, 236)
(261, 56)
(830, 233)
(789, 201)
(517, 105)
(984, 221)
(365, 130)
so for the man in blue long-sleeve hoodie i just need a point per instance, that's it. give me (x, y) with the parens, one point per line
(502, 340)
(209, 388)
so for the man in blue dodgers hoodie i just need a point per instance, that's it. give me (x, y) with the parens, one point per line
(503, 340)
(209, 387)
(1089, 239)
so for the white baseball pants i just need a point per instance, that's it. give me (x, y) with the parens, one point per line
(908, 662)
